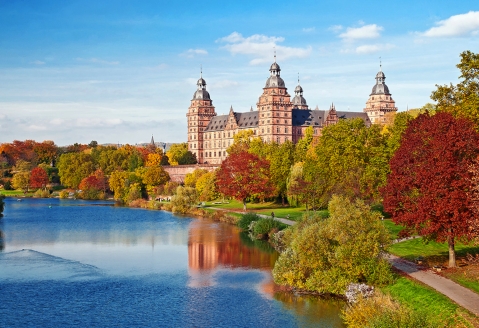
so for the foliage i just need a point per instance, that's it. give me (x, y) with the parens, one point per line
(304, 145)
(154, 159)
(192, 178)
(265, 225)
(350, 159)
(382, 311)
(21, 180)
(243, 175)
(38, 178)
(396, 131)
(42, 193)
(326, 255)
(281, 161)
(246, 220)
(241, 142)
(184, 199)
(153, 176)
(74, 167)
(178, 154)
(206, 187)
(120, 182)
(93, 186)
(427, 188)
(64, 194)
(462, 100)
(2, 204)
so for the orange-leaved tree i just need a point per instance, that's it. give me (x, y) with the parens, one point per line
(243, 175)
(38, 178)
(427, 190)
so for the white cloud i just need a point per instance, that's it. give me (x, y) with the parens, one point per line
(336, 28)
(190, 53)
(372, 48)
(309, 29)
(97, 61)
(370, 31)
(261, 47)
(224, 84)
(457, 25)
(38, 62)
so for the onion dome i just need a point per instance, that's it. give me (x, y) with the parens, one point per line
(201, 93)
(380, 88)
(274, 80)
(298, 100)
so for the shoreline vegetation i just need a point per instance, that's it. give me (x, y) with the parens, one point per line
(401, 299)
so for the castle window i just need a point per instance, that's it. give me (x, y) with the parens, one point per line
(278, 140)
(224, 153)
(277, 130)
(215, 154)
(285, 130)
(268, 131)
(262, 130)
(228, 134)
(194, 145)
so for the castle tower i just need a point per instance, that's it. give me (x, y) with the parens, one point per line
(199, 114)
(298, 101)
(380, 101)
(275, 109)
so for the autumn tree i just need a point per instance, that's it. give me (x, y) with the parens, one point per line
(46, 152)
(427, 190)
(462, 99)
(243, 175)
(153, 176)
(184, 199)
(38, 178)
(192, 178)
(21, 180)
(206, 187)
(74, 167)
(178, 154)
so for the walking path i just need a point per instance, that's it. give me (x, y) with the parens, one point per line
(461, 295)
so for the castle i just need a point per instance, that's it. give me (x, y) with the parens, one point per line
(277, 117)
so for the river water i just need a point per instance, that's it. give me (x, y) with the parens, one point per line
(92, 264)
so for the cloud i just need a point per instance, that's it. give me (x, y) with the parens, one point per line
(372, 48)
(224, 84)
(190, 53)
(335, 28)
(38, 62)
(309, 29)
(261, 47)
(97, 61)
(370, 31)
(457, 25)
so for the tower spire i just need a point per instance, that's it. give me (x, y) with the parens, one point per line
(298, 78)
(201, 70)
(380, 65)
(274, 54)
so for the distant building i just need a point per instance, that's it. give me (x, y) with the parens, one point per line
(277, 117)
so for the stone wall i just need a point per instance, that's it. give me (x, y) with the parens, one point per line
(178, 172)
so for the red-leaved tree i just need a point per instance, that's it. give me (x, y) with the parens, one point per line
(243, 175)
(38, 178)
(427, 190)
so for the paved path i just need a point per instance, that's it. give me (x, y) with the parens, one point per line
(462, 296)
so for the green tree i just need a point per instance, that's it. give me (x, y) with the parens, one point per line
(303, 145)
(21, 180)
(281, 160)
(74, 167)
(349, 159)
(326, 255)
(178, 154)
(184, 199)
(192, 178)
(462, 99)
(119, 184)
(206, 187)
(153, 176)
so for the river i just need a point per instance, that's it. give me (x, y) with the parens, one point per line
(93, 264)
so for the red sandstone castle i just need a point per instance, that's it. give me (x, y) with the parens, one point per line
(277, 117)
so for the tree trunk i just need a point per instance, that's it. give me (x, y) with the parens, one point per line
(244, 205)
(452, 253)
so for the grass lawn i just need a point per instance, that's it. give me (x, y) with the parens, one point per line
(467, 276)
(432, 251)
(15, 193)
(422, 298)
(295, 213)
(392, 228)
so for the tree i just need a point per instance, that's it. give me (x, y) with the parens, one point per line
(74, 167)
(303, 145)
(326, 255)
(191, 178)
(243, 175)
(46, 152)
(21, 180)
(281, 161)
(38, 178)
(206, 187)
(462, 100)
(153, 176)
(178, 154)
(184, 199)
(427, 190)
(154, 159)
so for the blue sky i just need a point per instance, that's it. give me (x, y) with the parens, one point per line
(120, 71)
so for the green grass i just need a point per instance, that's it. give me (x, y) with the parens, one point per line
(392, 228)
(295, 213)
(466, 282)
(425, 299)
(15, 193)
(411, 249)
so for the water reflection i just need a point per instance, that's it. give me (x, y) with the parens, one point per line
(2, 241)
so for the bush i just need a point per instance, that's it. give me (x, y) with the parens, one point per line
(246, 220)
(382, 311)
(64, 194)
(264, 225)
(42, 193)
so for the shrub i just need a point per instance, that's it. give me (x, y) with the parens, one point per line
(64, 194)
(42, 193)
(264, 225)
(246, 220)
(382, 311)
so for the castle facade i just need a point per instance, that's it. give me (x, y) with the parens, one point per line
(277, 117)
